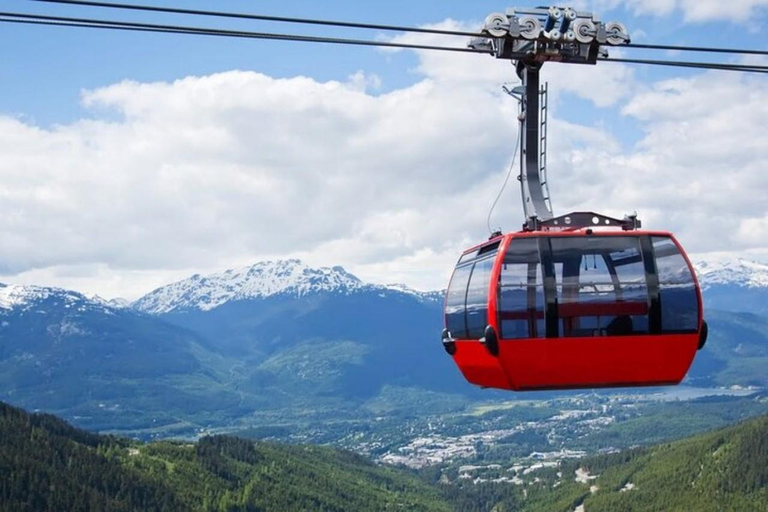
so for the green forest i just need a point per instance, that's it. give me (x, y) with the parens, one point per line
(48, 465)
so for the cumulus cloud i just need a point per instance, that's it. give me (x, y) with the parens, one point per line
(219, 170)
(210, 172)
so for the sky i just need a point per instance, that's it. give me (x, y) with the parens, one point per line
(131, 160)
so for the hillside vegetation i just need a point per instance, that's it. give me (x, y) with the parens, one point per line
(48, 465)
(721, 470)
(51, 466)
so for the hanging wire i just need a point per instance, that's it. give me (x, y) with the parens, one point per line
(261, 17)
(504, 185)
(702, 49)
(35, 19)
(370, 26)
(744, 68)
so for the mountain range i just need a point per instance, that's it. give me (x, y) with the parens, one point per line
(283, 338)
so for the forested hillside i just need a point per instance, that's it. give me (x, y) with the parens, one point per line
(722, 470)
(48, 465)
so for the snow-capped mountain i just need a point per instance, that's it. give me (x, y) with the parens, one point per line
(16, 297)
(726, 270)
(292, 278)
(265, 279)
(733, 284)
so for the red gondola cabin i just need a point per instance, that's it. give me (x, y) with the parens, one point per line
(577, 308)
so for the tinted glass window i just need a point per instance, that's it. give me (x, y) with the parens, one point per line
(601, 286)
(455, 301)
(677, 292)
(477, 298)
(521, 291)
(469, 256)
(482, 252)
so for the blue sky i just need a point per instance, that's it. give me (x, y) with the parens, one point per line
(48, 67)
(96, 125)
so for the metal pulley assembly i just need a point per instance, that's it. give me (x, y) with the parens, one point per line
(553, 33)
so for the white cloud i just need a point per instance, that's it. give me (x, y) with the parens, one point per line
(211, 172)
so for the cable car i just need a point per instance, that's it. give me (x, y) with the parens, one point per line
(581, 307)
(577, 301)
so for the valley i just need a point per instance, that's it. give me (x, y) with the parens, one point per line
(719, 469)
(271, 352)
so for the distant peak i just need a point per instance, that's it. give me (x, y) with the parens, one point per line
(724, 269)
(260, 280)
(290, 277)
(23, 297)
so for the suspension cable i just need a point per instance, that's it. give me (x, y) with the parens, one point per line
(261, 17)
(371, 26)
(35, 19)
(744, 68)
(703, 49)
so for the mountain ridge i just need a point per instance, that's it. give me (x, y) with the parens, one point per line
(24, 297)
(258, 281)
(292, 277)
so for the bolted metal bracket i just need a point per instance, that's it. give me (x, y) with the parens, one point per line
(579, 220)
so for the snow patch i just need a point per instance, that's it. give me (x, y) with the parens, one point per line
(583, 476)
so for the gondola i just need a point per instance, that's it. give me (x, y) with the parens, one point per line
(576, 308)
(582, 300)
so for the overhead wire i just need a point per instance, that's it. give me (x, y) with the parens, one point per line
(63, 21)
(744, 68)
(262, 17)
(37, 19)
(702, 49)
(370, 26)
